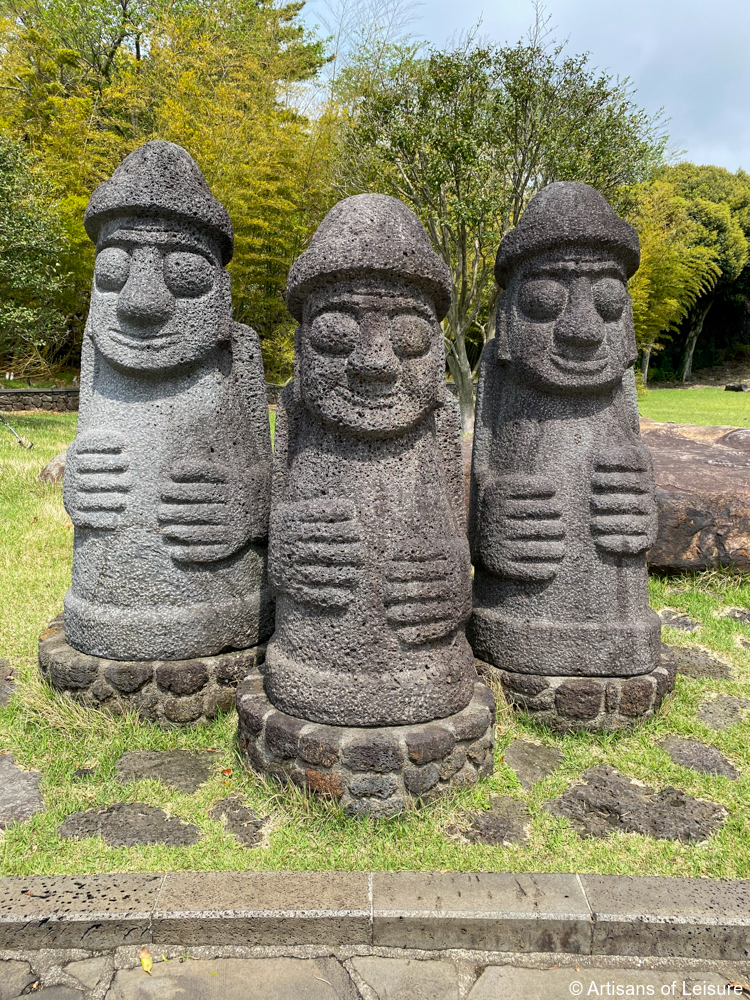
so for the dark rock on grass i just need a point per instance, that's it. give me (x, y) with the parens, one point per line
(531, 762)
(674, 619)
(738, 615)
(7, 684)
(54, 470)
(699, 757)
(127, 824)
(183, 770)
(239, 820)
(698, 664)
(723, 711)
(609, 801)
(82, 773)
(505, 822)
(743, 642)
(19, 792)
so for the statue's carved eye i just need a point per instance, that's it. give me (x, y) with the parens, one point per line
(542, 299)
(334, 333)
(111, 269)
(411, 335)
(188, 275)
(610, 296)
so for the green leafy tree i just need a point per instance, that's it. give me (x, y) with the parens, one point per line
(719, 202)
(468, 136)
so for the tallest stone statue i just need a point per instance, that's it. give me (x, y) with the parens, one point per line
(168, 480)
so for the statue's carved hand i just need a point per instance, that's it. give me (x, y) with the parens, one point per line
(202, 513)
(427, 595)
(315, 553)
(522, 532)
(97, 480)
(623, 511)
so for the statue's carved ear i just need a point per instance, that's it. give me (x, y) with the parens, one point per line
(502, 347)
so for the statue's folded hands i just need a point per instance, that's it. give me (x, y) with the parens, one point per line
(315, 554)
(201, 514)
(623, 510)
(522, 532)
(97, 480)
(426, 593)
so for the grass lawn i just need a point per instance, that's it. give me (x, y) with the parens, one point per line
(706, 407)
(49, 733)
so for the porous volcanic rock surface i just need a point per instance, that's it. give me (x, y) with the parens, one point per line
(703, 495)
(692, 661)
(127, 824)
(505, 822)
(20, 797)
(54, 470)
(608, 801)
(7, 683)
(531, 762)
(675, 619)
(239, 820)
(699, 757)
(183, 770)
(723, 711)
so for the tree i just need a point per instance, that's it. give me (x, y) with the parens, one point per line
(468, 136)
(215, 76)
(31, 244)
(678, 263)
(719, 202)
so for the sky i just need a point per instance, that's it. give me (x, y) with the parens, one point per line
(691, 57)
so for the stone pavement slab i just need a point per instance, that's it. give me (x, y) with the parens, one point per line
(14, 978)
(125, 824)
(408, 979)
(236, 979)
(490, 912)
(506, 982)
(183, 770)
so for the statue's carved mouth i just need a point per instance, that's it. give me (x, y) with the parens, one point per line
(380, 398)
(143, 341)
(573, 366)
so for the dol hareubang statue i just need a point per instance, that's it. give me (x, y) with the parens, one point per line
(168, 480)
(367, 546)
(562, 499)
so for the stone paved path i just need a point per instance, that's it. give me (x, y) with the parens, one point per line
(367, 977)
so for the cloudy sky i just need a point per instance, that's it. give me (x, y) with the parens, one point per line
(691, 57)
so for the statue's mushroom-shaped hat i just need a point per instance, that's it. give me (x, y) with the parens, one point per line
(563, 215)
(364, 236)
(160, 179)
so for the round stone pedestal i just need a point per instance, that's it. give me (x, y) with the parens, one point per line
(170, 692)
(377, 771)
(591, 703)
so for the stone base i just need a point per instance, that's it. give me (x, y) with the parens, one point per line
(591, 703)
(169, 692)
(375, 771)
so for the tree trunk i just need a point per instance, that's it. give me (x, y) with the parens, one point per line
(460, 369)
(696, 326)
(645, 361)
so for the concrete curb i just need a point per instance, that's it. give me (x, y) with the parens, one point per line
(502, 912)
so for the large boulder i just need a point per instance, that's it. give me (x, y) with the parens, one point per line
(703, 494)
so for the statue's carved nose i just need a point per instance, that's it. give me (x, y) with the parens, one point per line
(145, 300)
(580, 325)
(373, 359)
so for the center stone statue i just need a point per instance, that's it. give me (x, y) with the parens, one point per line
(168, 480)
(562, 502)
(368, 552)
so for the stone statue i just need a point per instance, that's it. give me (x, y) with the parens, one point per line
(368, 552)
(168, 480)
(562, 505)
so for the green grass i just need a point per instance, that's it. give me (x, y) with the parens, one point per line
(697, 406)
(51, 734)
